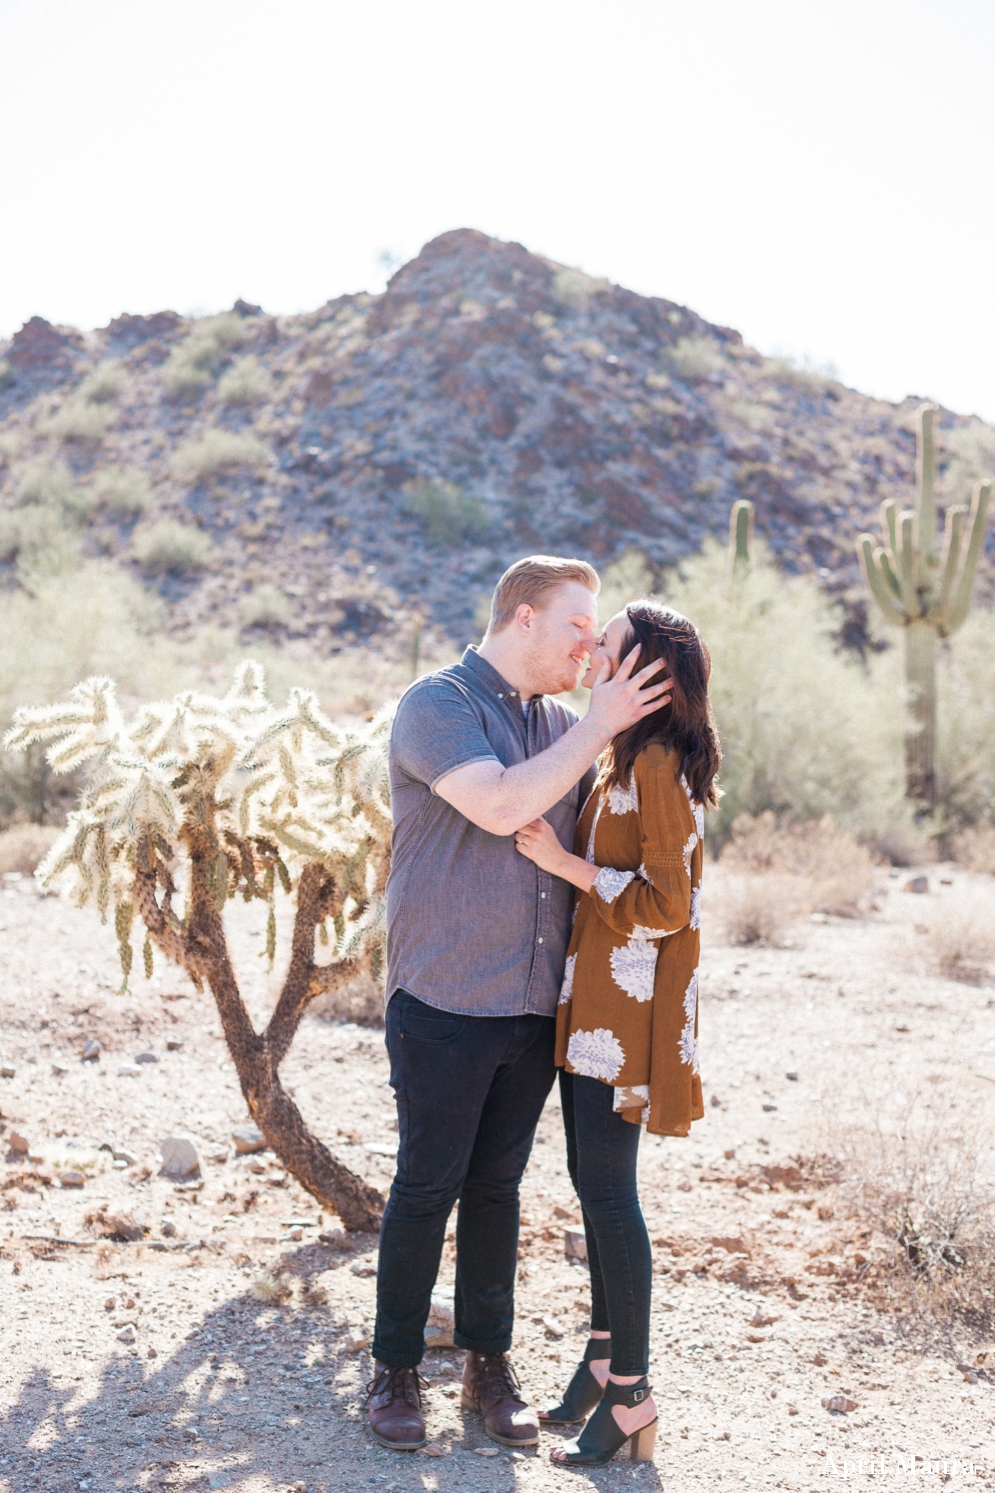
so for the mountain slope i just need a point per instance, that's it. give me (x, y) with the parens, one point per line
(384, 457)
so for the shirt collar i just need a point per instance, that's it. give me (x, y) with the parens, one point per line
(489, 676)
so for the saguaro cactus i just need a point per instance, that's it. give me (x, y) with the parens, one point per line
(926, 593)
(740, 536)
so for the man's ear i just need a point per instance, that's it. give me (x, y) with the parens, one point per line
(523, 618)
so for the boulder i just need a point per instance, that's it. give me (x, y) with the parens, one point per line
(179, 1158)
(441, 1323)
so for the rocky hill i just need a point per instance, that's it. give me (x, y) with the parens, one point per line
(342, 474)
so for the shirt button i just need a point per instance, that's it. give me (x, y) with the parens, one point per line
(540, 940)
(543, 896)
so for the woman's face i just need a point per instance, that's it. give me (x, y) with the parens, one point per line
(608, 646)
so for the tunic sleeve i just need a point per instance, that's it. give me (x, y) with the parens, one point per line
(655, 900)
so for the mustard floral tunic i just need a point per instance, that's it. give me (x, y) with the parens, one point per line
(628, 1012)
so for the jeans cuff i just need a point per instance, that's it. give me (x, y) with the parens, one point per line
(394, 1359)
(500, 1344)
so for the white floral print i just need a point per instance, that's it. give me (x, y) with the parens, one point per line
(624, 800)
(688, 1042)
(692, 842)
(695, 908)
(634, 1096)
(609, 883)
(697, 809)
(634, 968)
(567, 988)
(639, 931)
(597, 1054)
(589, 854)
(645, 875)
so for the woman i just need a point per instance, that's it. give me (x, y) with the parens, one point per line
(627, 1025)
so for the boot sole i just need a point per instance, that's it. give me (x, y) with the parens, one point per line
(512, 1441)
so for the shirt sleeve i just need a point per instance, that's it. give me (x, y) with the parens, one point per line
(654, 901)
(436, 730)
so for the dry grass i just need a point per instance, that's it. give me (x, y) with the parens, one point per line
(974, 849)
(925, 1217)
(271, 1289)
(960, 936)
(361, 1001)
(23, 847)
(775, 873)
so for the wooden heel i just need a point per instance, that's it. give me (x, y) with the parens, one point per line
(642, 1443)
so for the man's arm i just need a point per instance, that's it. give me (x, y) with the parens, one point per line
(503, 799)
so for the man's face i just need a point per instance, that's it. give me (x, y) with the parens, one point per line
(560, 638)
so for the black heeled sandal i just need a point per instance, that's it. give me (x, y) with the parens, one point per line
(602, 1437)
(583, 1392)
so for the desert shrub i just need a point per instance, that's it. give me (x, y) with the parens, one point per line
(624, 580)
(829, 863)
(6, 374)
(360, 1000)
(41, 538)
(266, 606)
(693, 358)
(191, 364)
(48, 484)
(23, 847)
(103, 385)
(975, 849)
(807, 729)
(756, 907)
(170, 546)
(447, 513)
(966, 723)
(575, 288)
(244, 382)
(216, 451)
(960, 936)
(807, 377)
(123, 490)
(79, 420)
(929, 1215)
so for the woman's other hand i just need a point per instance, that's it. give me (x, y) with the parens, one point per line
(537, 842)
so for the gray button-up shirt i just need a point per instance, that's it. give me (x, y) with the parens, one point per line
(472, 925)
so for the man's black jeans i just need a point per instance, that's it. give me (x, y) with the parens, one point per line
(469, 1090)
(601, 1159)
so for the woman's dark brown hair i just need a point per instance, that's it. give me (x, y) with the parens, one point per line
(685, 725)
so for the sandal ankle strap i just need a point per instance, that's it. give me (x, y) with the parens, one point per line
(628, 1395)
(597, 1347)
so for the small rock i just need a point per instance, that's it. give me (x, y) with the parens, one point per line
(110, 1304)
(6, 1072)
(190, 1434)
(759, 1320)
(152, 1353)
(839, 1405)
(58, 1071)
(179, 1158)
(91, 1050)
(715, 1102)
(553, 1327)
(248, 1139)
(575, 1244)
(793, 1077)
(173, 1044)
(146, 1057)
(128, 1070)
(918, 884)
(168, 1229)
(122, 1226)
(126, 1335)
(793, 1410)
(356, 1344)
(72, 1179)
(17, 1145)
(768, 1108)
(441, 1322)
(121, 1153)
(218, 1154)
(432, 1451)
(486, 1451)
(257, 1167)
(295, 1235)
(566, 1214)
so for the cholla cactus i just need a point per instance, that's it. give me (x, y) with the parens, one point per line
(926, 594)
(198, 800)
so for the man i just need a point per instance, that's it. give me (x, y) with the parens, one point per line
(476, 942)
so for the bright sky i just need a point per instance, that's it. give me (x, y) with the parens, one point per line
(816, 173)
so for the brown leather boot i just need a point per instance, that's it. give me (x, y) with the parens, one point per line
(393, 1400)
(491, 1387)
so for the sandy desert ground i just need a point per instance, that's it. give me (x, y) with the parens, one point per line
(227, 1348)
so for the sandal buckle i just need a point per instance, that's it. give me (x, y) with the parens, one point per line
(638, 1395)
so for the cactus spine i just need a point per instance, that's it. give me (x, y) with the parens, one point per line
(926, 593)
(740, 536)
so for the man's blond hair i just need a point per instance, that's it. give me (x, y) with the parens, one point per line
(531, 581)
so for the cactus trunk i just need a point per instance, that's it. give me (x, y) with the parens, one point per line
(920, 726)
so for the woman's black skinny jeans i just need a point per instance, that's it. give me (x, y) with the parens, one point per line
(601, 1159)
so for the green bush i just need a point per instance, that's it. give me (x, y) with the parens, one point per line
(103, 385)
(693, 358)
(216, 451)
(123, 491)
(79, 420)
(266, 606)
(448, 514)
(42, 532)
(171, 547)
(192, 363)
(245, 382)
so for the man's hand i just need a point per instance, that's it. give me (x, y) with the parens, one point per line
(618, 703)
(537, 842)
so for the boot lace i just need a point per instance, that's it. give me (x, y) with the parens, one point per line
(499, 1377)
(400, 1384)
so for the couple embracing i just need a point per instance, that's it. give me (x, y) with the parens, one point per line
(543, 910)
